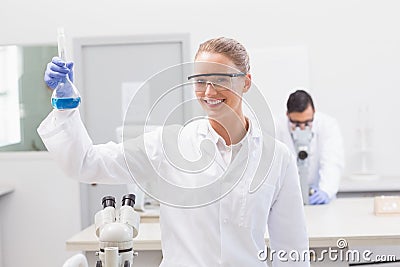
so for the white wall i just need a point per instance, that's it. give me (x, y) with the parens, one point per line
(40, 215)
(353, 47)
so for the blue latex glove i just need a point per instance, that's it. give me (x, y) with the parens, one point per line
(318, 197)
(57, 70)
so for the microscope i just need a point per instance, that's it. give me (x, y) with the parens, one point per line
(115, 230)
(302, 140)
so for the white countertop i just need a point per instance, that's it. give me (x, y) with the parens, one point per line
(382, 184)
(348, 218)
(352, 219)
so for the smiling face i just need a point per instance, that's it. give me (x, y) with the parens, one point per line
(216, 100)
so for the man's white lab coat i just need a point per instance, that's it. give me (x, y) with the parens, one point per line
(326, 156)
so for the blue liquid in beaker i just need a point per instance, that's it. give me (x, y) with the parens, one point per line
(65, 103)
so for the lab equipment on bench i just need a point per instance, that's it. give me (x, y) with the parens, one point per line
(302, 140)
(115, 230)
(65, 95)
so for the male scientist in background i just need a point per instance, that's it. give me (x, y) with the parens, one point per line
(324, 150)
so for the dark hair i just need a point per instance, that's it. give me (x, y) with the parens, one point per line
(230, 48)
(299, 101)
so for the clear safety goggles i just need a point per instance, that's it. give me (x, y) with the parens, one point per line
(301, 124)
(218, 81)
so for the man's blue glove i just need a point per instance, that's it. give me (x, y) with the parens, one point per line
(56, 71)
(318, 197)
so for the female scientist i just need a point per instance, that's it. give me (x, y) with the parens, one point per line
(226, 232)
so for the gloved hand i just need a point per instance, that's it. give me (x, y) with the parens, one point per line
(57, 70)
(318, 197)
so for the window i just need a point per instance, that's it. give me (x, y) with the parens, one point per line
(10, 72)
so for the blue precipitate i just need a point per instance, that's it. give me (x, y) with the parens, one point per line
(65, 103)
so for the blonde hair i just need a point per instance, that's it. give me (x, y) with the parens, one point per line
(229, 48)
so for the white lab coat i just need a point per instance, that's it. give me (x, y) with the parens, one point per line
(326, 156)
(228, 232)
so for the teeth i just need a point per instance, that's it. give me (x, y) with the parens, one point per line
(213, 102)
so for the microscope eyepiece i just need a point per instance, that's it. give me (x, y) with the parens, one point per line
(128, 199)
(302, 154)
(108, 201)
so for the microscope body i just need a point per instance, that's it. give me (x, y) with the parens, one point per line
(302, 140)
(115, 230)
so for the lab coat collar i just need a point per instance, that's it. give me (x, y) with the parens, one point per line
(254, 129)
(315, 125)
(205, 129)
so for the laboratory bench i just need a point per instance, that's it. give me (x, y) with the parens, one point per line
(351, 219)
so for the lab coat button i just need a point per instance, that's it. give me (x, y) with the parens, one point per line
(225, 220)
